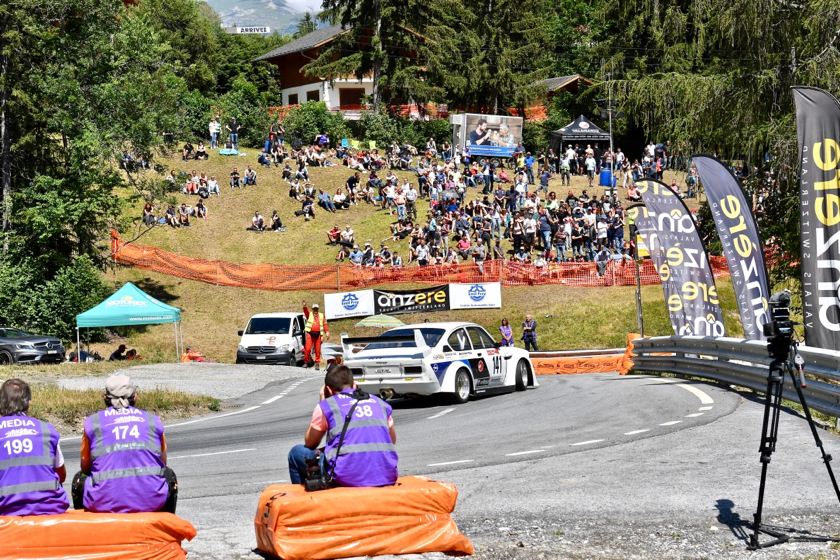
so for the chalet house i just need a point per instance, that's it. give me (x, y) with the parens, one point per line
(341, 95)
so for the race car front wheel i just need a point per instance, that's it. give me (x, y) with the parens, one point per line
(521, 375)
(462, 387)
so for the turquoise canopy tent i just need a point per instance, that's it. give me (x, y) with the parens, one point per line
(129, 306)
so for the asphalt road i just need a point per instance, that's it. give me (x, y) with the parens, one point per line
(583, 465)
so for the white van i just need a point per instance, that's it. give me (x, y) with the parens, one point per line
(272, 338)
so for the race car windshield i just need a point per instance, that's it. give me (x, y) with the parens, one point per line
(431, 336)
(269, 325)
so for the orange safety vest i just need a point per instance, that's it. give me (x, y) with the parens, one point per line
(311, 320)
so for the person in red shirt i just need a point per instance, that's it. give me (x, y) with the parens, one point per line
(316, 329)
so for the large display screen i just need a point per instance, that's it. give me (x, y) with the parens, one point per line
(493, 135)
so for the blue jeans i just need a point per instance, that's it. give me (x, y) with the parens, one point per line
(529, 172)
(561, 252)
(297, 462)
(234, 139)
(546, 239)
(401, 212)
(214, 140)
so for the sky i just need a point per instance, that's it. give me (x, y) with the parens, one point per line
(305, 5)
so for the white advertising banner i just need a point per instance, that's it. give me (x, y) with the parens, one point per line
(475, 296)
(348, 304)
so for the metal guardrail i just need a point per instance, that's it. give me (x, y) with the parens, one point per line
(741, 362)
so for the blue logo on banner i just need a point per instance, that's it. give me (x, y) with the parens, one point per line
(350, 302)
(477, 293)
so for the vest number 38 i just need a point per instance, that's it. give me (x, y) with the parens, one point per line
(362, 411)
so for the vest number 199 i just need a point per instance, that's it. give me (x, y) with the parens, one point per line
(120, 432)
(18, 446)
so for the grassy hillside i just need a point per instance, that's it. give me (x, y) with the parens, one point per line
(577, 317)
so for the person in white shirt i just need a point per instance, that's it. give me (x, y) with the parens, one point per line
(213, 186)
(590, 169)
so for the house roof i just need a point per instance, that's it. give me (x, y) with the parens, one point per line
(553, 84)
(308, 41)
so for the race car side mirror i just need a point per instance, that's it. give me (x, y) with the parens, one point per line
(239, 333)
(497, 344)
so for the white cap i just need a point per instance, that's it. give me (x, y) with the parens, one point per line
(314, 306)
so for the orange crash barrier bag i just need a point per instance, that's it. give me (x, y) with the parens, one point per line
(82, 535)
(413, 516)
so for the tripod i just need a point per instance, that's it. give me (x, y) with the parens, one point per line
(780, 348)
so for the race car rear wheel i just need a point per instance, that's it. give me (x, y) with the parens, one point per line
(521, 375)
(462, 387)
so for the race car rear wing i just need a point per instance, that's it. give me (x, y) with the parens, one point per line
(348, 343)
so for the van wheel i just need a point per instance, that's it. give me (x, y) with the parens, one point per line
(293, 359)
(462, 387)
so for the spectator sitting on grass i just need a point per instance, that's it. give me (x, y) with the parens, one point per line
(340, 200)
(250, 176)
(308, 208)
(257, 223)
(325, 201)
(263, 158)
(213, 186)
(201, 151)
(171, 216)
(276, 222)
(184, 215)
(188, 152)
(149, 214)
(356, 256)
(333, 234)
(200, 210)
(348, 236)
(235, 180)
(287, 172)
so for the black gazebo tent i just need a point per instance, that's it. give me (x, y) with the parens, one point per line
(580, 130)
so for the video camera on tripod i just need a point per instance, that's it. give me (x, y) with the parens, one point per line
(779, 331)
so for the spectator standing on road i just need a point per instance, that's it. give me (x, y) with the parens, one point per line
(529, 333)
(316, 329)
(372, 430)
(31, 468)
(124, 458)
(507, 333)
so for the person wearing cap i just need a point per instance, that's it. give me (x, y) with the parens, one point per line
(123, 458)
(316, 326)
(31, 463)
(356, 256)
(118, 354)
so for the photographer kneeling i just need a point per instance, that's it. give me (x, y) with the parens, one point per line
(360, 433)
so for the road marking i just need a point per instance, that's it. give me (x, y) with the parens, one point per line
(244, 410)
(272, 399)
(634, 432)
(441, 413)
(699, 393)
(671, 423)
(450, 463)
(695, 415)
(524, 452)
(586, 442)
(209, 454)
(705, 408)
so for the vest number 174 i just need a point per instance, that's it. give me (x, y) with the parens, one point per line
(121, 431)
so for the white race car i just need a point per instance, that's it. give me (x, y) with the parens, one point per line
(459, 359)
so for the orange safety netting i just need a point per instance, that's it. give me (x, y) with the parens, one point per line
(571, 365)
(283, 277)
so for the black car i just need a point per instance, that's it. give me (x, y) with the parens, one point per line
(21, 347)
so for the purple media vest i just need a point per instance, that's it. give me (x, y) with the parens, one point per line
(368, 457)
(127, 472)
(29, 484)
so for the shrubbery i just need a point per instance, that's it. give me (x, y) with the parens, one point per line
(312, 118)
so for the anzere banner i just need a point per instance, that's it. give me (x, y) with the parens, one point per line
(393, 302)
(650, 239)
(741, 242)
(686, 261)
(818, 129)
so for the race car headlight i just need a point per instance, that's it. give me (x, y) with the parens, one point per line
(24, 346)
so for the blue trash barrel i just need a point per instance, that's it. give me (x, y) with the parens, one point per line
(607, 180)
